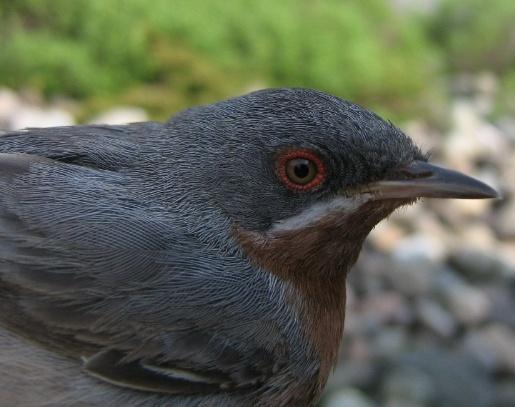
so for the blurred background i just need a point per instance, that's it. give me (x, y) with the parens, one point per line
(431, 314)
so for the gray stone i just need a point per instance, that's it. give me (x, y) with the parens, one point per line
(384, 307)
(389, 341)
(475, 235)
(493, 346)
(435, 317)
(472, 138)
(507, 127)
(413, 277)
(478, 265)
(419, 247)
(468, 304)
(385, 236)
(505, 394)
(9, 103)
(440, 378)
(369, 273)
(504, 222)
(355, 367)
(351, 373)
(347, 397)
(121, 115)
(408, 384)
(507, 175)
(393, 402)
(466, 209)
(506, 255)
(502, 299)
(31, 116)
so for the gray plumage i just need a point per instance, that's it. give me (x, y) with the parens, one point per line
(119, 261)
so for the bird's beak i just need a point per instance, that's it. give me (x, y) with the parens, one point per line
(421, 179)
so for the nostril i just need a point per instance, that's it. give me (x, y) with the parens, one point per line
(416, 169)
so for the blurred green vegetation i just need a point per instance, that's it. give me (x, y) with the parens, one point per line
(168, 54)
(476, 34)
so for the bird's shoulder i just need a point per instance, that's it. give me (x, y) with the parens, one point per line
(98, 146)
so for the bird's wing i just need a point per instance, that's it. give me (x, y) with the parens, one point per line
(87, 269)
(98, 146)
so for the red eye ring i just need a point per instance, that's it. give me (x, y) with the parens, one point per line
(284, 160)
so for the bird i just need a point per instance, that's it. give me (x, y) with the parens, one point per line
(199, 261)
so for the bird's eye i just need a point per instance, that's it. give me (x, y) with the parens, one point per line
(301, 170)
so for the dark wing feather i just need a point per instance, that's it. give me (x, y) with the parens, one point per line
(108, 365)
(86, 269)
(96, 146)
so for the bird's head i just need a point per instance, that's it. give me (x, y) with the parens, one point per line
(302, 176)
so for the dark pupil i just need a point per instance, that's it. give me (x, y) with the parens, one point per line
(301, 168)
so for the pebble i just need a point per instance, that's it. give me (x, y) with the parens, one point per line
(32, 116)
(505, 394)
(385, 307)
(506, 255)
(9, 103)
(389, 341)
(475, 235)
(507, 127)
(468, 304)
(121, 115)
(472, 138)
(419, 246)
(347, 397)
(470, 208)
(504, 222)
(408, 384)
(477, 265)
(436, 318)
(413, 276)
(502, 299)
(494, 346)
(438, 377)
(386, 236)
(351, 373)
